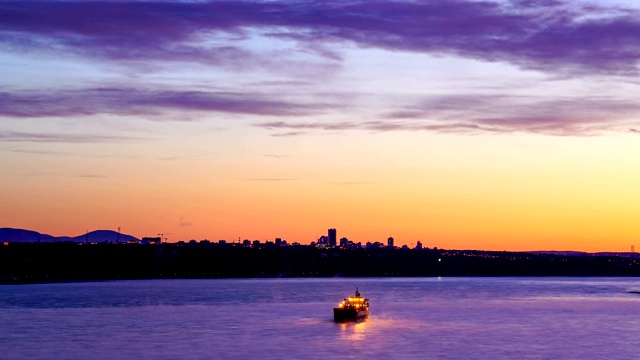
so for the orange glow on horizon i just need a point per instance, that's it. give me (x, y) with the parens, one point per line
(482, 198)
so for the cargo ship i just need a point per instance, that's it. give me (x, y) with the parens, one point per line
(351, 309)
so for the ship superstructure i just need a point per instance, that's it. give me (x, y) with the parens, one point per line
(351, 309)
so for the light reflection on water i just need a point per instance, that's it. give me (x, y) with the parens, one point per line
(353, 331)
(449, 318)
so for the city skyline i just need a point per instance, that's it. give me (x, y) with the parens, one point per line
(490, 125)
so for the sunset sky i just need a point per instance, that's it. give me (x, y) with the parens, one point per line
(498, 125)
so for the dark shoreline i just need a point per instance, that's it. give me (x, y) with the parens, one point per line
(28, 263)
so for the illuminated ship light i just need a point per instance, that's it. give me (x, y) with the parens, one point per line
(351, 309)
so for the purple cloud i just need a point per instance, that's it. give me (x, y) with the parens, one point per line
(13, 136)
(553, 36)
(549, 36)
(503, 113)
(306, 126)
(16, 138)
(129, 101)
(471, 114)
(377, 126)
(476, 126)
(289, 134)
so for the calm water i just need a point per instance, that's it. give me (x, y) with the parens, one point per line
(424, 318)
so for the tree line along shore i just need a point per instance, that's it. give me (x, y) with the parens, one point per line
(56, 262)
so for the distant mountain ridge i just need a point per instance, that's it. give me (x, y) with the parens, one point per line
(96, 236)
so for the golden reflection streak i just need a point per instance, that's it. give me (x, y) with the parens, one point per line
(353, 331)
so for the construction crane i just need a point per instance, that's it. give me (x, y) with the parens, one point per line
(162, 236)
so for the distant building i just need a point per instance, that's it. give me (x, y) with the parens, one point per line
(390, 242)
(256, 243)
(246, 242)
(344, 242)
(419, 246)
(333, 237)
(151, 240)
(278, 241)
(323, 240)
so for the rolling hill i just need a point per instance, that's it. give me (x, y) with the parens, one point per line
(96, 236)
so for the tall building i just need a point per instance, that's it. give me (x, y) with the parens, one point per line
(419, 245)
(333, 237)
(390, 242)
(344, 242)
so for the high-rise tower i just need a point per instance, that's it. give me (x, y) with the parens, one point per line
(333, 236)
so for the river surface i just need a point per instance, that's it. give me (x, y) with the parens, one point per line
(411, 318)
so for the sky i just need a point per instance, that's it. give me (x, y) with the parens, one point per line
(495, 125)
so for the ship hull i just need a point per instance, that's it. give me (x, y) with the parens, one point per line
(345, 315)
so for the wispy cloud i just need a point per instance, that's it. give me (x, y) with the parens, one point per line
(131, 101)
(184, 156)
(356, 183)
(307, 126)
(288, 133)
(276, 156)
(551, 120)
(474, 113)
(9, 136)
(380, 126)
(91, 176)
(561, 38)
(549, 36)
(37, 152)
(183, 222)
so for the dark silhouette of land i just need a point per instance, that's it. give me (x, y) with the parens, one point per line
(22, 235)
(68, 261)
